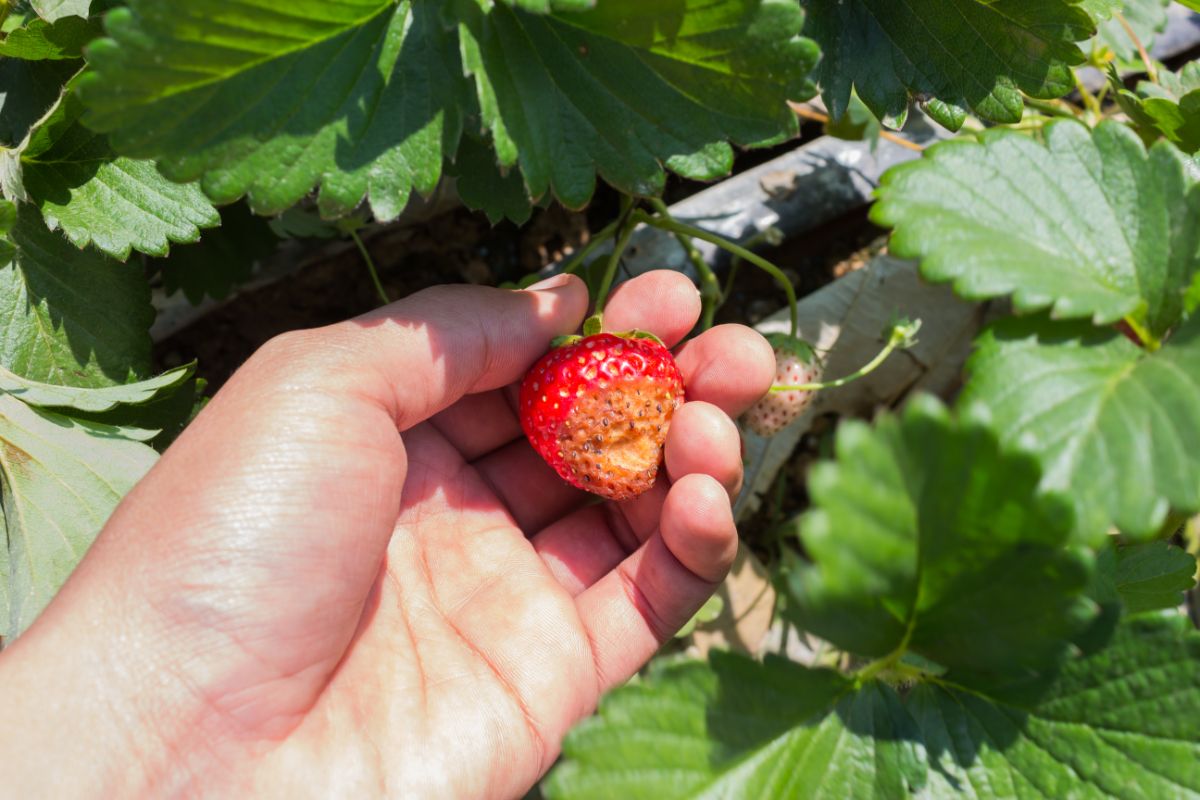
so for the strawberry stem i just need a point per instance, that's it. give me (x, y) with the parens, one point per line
(366, 255)
(625, 234)
(1148, 342)
(675, 226)
(903, 336)
(710, 287)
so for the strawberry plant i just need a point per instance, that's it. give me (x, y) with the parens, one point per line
(989, 584)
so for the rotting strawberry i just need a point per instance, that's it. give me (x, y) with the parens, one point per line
(597, 408)
(796, 363)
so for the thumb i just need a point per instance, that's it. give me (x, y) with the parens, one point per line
(422, 354)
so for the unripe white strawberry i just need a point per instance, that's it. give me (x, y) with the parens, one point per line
(795, 363)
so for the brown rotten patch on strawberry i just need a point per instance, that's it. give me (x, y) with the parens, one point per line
(597, 408)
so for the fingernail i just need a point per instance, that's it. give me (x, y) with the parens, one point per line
(553, 282)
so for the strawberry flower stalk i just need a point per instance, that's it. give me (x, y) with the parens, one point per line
(798, 371)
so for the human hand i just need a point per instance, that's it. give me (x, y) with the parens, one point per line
(351, 575)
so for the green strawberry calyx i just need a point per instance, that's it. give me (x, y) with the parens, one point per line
(594, 325)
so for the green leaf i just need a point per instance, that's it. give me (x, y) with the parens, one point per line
(360, 98)
(737, 728)
(1132, 579)
(954, 56)
(163, 418)
(857, 124)
(365, 98)
(1153, 576)
(70, 317)
(483, 186)
(61, 480)
(302, 223)
(546, 6)
(1124, 723)
(222, 259)
(1147, 18)
(40, 40)
(1170, 108)
(928, 536)
(1115, 427)
(28, 89)
(97, 198)
(51, 10)
(628, 86)
(47, 395)
(1087, 224)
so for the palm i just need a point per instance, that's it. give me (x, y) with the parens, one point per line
(429, 611)
(468, 637)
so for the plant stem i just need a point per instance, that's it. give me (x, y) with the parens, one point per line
(626, 228)
(675, 226)
(1054, 108)
(1150, 343)
(901, 335)
(1089, 99)
(576, 261)
(710, 287)
(804, 111)
(1151, 71)
(362, 248)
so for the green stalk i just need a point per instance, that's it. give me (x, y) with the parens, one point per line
(675, 226)
(1148, 341)
(626, 228)
(1054, 108)
(710, 287)
(1089, 100)
(771, 236)
(901, 336)
(370, 267)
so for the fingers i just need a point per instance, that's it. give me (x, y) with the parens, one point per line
(707, 443)
(730, 366)
(633, 609)
(584, 546)
(663, 302)
(732, 384)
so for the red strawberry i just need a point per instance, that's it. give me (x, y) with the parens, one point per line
(795, 363)
(597, 409)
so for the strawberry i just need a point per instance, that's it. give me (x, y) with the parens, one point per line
(795, 363)
(597, 409)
